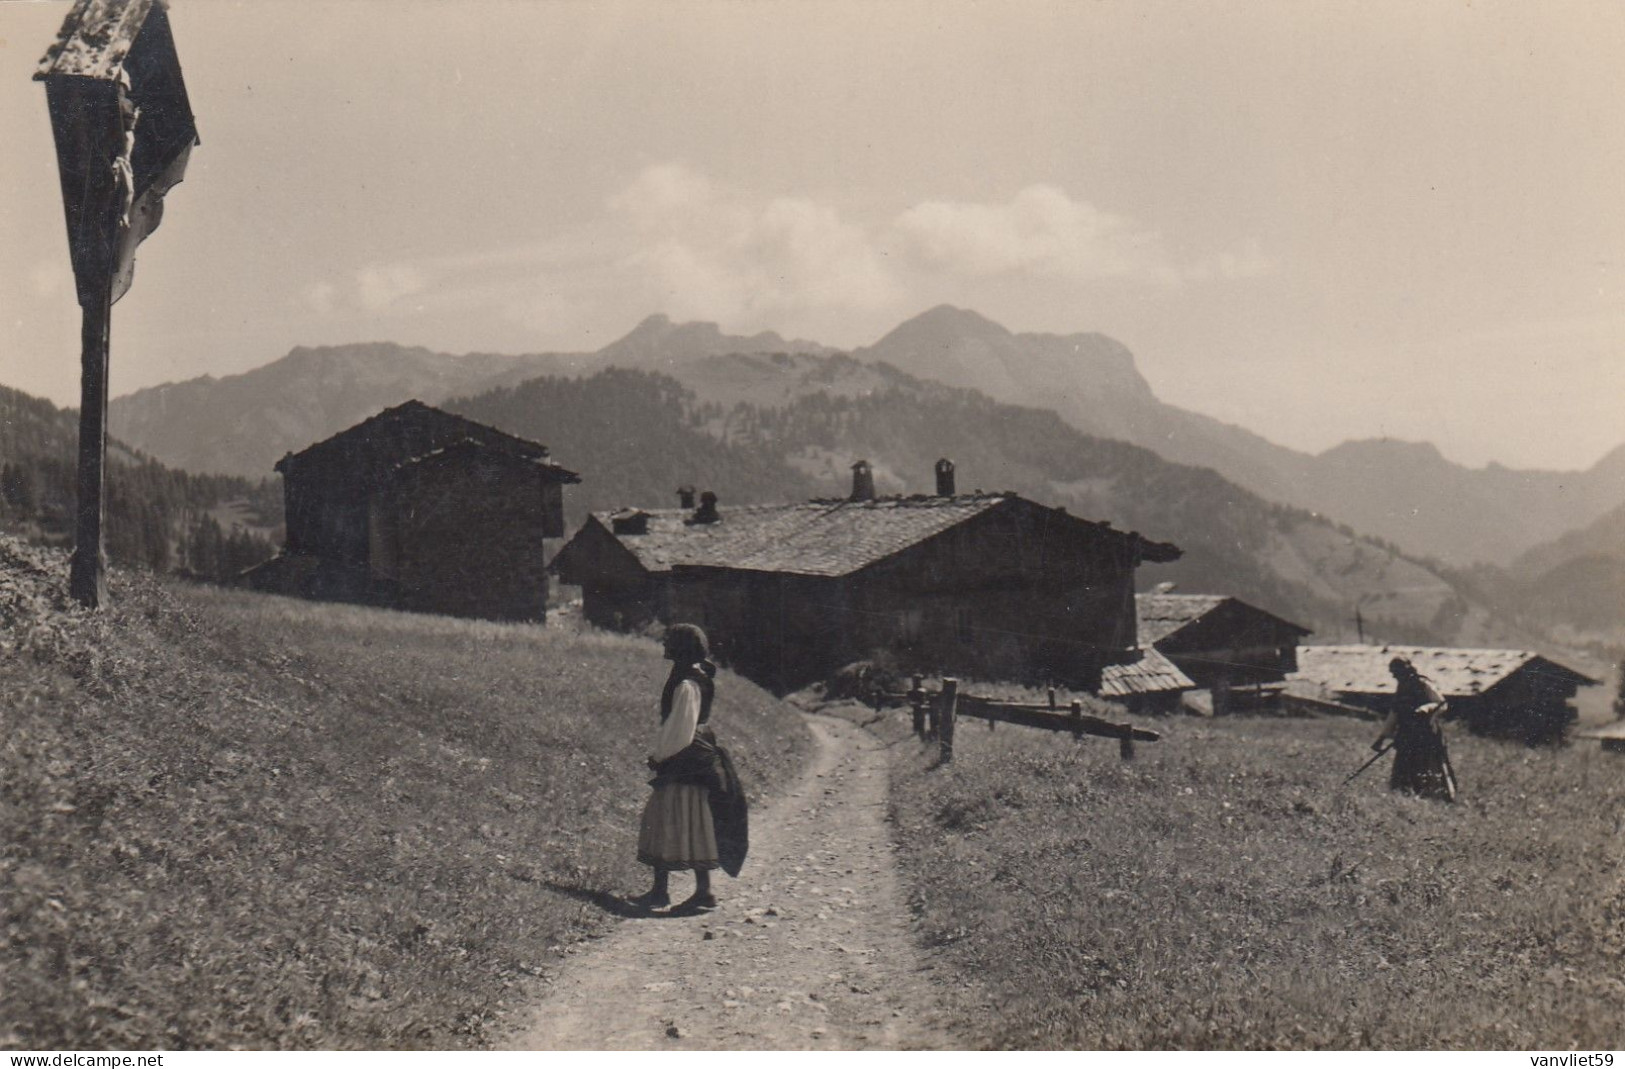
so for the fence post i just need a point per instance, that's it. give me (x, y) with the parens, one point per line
(1125, 748)
(1077, 719)
(916, 697)
(945, 728)
(1052, 697)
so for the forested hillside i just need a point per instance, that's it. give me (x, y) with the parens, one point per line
(241, 424)
(635, 436)
(1573, 586)
(157, 518)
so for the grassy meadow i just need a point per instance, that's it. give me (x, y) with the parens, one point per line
(235, 820)
(1223, 891)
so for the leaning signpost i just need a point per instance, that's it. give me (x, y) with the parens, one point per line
(124, 130)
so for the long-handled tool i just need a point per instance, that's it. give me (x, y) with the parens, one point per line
(1374, 759)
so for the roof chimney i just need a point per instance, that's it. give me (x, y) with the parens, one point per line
(863, 481)
(629, 522)
(945, 478)
(685, 497)
(707, 512)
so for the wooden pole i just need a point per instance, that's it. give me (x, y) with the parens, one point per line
(916, 697)
(945, 729)
(87, 579)
(1077, 719)
(1125, 748)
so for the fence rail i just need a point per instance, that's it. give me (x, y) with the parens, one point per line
(936, 713)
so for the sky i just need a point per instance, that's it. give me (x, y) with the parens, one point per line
(1319, 220)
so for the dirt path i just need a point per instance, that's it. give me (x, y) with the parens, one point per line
(810, 948)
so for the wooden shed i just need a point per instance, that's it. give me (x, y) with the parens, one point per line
(421, 509)
(1237, 651)
(985, 585)
(1153, 684)
(1509, 693)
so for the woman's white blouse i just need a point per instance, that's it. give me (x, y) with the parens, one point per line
(678, 729)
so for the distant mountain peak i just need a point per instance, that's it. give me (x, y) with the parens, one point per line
(1385, 447)
(948, 323)
(952, 312)
(659, 342)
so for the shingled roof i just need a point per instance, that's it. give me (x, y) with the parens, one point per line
(818, 538)
(1161, 615)
(1457, 673)
(1151, 674)
(413, 430)
(473, 447)
(826, 538)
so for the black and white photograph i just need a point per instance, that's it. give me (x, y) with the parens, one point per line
(812, 525)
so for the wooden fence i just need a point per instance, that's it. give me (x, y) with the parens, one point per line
(936, 713)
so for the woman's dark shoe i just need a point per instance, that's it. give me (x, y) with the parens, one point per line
(650, 901)
(694, 904)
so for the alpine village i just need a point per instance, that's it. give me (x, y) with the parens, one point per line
(1065, 716)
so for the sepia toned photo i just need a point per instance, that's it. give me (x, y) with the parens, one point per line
(816, 525)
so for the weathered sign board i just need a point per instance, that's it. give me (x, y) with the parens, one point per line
(124, 131)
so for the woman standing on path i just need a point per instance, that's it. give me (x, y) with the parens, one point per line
(678, 830)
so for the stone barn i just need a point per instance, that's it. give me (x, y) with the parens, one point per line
(1508, 693)
(1238, 652)
(982, 585)
(420, 509)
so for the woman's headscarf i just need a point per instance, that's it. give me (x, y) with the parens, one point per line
(687, 644)
(689, 661)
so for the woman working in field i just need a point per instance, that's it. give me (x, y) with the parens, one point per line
(694, 782)
(1421, 763)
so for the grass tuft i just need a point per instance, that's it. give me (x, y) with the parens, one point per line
(231, 820)
(1223, 891)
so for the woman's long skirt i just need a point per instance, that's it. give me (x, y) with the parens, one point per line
(677, 830)
(1420, 770)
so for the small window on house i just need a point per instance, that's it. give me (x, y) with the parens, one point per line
(909, 622)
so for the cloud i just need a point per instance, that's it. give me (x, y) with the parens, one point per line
(1248, 261)
(322, 297)
(379, 285)
(661, 192)
(673, 239)
(1042, 231)
(708, 251)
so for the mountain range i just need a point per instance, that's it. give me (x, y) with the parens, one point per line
(1053, 416)
(1402, 492)
(1405, 492)
(785, 424)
